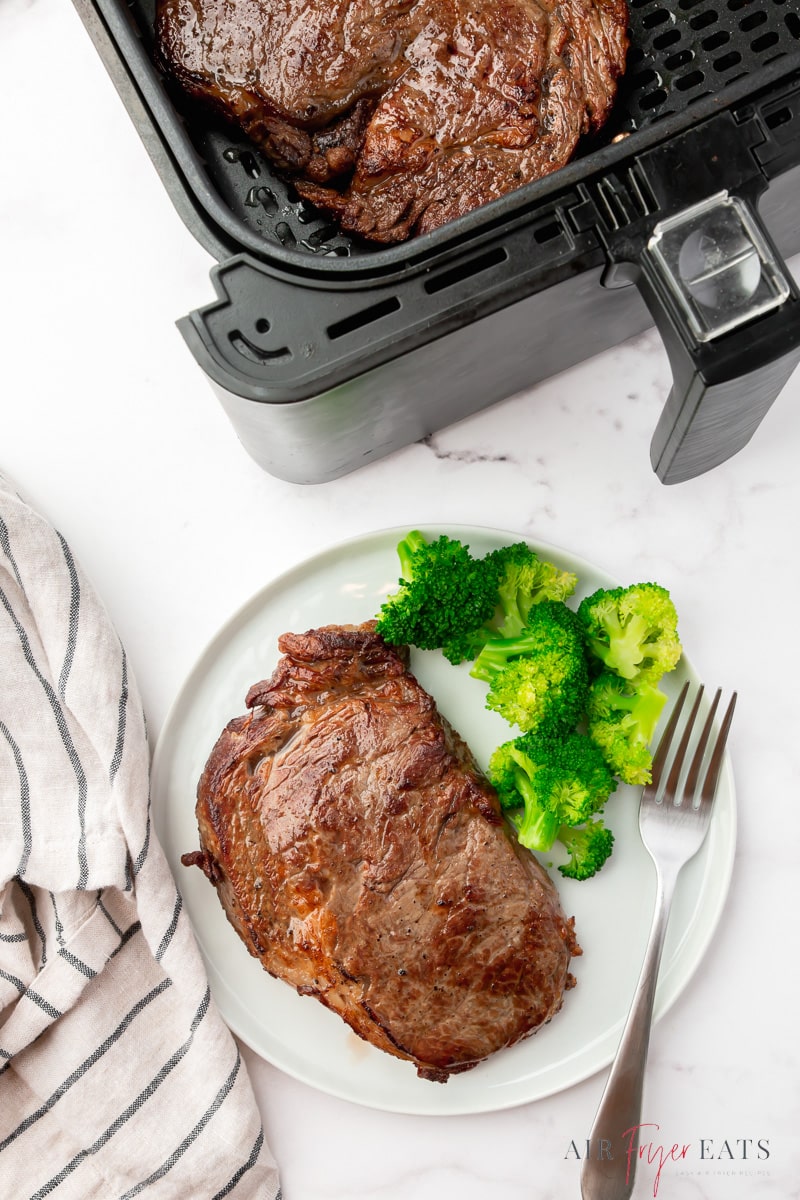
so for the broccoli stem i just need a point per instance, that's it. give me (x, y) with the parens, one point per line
(537, 827)
(496, 655)
(406, 549)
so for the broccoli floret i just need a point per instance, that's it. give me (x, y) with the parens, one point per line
(548, 619)
(633, 630)
(582, 780)
(622, 719)
(466, 645)
(549, 783)
(588, 847)
(444, 592)
(540, 679)
(514, 774)
(525, 580)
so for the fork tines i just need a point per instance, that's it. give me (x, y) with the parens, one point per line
(693, 775)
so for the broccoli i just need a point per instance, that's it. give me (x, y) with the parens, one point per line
(513, 773)
(582, 686)
(525, 580)
(588, 847)
(548, 784)
(467, 644)
(538, 680)
(452, 601)
(444, 592)
(632, 631)
(622, 719)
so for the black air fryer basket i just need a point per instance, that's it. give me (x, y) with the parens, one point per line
(328, 352)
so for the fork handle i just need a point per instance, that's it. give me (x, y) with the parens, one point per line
(609, 1170)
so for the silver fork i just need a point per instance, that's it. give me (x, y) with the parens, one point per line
(673, 821)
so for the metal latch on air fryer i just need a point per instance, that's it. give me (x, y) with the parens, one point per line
(682, 218)
(716, 266)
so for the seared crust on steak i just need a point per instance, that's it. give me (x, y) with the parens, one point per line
(400, 115)
(362, 857)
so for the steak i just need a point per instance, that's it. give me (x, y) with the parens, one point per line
(400, 115)
(362, 857)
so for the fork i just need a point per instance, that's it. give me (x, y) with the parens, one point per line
(673, 822)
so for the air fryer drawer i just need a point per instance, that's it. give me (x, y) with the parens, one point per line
(327, 351)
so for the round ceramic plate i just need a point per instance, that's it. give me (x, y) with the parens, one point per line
(612, 911)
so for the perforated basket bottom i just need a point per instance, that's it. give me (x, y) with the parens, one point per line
(684, 51)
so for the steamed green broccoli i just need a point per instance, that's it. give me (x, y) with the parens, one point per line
(444, 591)
(622, 717)
(538, 680)
(466, 645)
(633, 630)
(523, 579)
(513, 773)
(450, 600)
(548, 784)
(582, 686)
(588, 847)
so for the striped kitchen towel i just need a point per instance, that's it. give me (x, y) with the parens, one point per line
(118, 1077)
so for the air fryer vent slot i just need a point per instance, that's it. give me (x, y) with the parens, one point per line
(250, 164)
(466, 270)
(548, 232)
(774, 120)
(366, 316)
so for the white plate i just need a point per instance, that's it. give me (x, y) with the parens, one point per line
(612, 911)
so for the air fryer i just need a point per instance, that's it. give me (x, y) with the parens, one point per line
(328, 352)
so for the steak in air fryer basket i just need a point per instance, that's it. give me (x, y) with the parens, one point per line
(362, 857)
(398, 116)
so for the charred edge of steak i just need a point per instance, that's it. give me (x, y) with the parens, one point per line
(207, 864)
(323, 659)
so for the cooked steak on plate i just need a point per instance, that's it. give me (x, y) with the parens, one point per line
(400, 115)
(362, 857)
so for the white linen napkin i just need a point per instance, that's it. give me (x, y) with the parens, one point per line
(118, 1077)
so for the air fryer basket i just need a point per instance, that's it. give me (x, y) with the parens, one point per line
(707, 121)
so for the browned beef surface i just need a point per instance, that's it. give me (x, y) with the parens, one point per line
(399, 116)
(361, 856)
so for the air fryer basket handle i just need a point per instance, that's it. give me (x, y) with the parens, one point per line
(683, 224)
(729, 315)
(702, 424)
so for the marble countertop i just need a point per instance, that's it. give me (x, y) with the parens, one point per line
(111, 429)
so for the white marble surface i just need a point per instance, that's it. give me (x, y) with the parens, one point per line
(109, 426)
